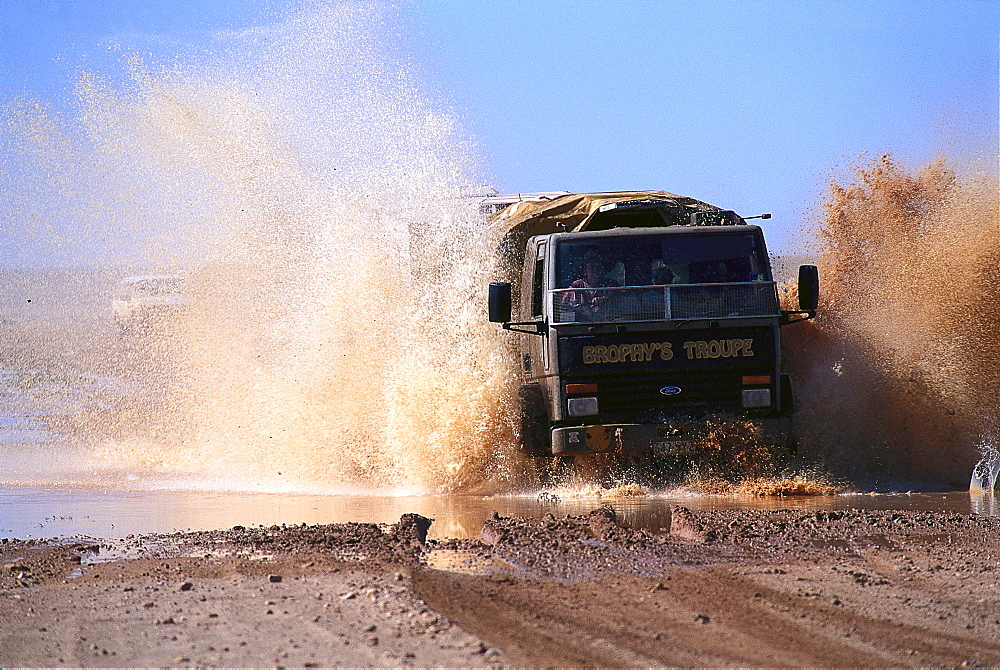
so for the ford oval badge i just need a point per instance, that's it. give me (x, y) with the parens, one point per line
(670, 390)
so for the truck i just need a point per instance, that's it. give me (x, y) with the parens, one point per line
(642, 319)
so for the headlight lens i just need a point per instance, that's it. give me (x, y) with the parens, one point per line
(581, 406)
(756, 398)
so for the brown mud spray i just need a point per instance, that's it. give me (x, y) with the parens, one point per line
(898, 377)
(320, 207)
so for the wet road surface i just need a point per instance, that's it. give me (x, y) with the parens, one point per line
(34, 512)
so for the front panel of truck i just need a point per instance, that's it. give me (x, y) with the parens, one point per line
(657, 327)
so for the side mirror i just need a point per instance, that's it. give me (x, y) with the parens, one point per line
(808, 288)
(499, 302)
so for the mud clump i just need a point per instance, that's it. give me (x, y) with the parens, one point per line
(688, 527)
(412, 529)
(401, 543)
(28, 563)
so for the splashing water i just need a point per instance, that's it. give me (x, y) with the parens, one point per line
(318, 204)
(898, 376)
(986, 473)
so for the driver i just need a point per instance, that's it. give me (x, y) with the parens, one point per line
(587, 303)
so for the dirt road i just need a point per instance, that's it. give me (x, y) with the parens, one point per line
(761, 588)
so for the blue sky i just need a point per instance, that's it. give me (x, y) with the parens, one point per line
(748, 105)
(745, 104)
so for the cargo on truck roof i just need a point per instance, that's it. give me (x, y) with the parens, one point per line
(578, 212)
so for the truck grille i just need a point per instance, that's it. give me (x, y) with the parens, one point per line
(636, 398)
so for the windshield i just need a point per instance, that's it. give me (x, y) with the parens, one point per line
(686, 276)
(655, 260)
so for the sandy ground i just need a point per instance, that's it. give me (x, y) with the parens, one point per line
(715, 588)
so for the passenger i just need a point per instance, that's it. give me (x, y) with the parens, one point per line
(588, 304)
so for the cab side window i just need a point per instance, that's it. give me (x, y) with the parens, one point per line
(537, 285)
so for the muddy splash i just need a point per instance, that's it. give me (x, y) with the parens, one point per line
(898, 376)
(320, 206)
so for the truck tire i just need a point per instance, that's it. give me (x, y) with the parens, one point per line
(787, 405)
(535, 437)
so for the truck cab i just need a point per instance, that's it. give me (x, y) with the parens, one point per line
(643, 323)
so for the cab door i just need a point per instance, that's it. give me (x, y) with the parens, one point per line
(532, 308)
(534, 393)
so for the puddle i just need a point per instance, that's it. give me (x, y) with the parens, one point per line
(843, 545)
(466, 562)
(103, 515)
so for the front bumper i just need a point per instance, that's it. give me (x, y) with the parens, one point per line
(678, 438)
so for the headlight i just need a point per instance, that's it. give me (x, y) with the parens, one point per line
(756, 398)
(581, 406)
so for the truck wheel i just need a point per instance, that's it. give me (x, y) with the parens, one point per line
(535, 436)
(787, 405)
